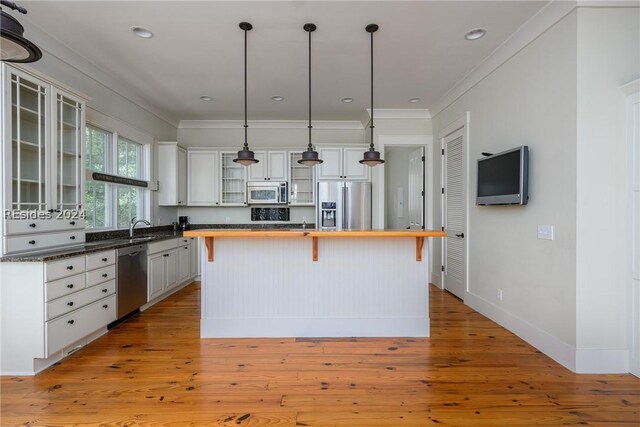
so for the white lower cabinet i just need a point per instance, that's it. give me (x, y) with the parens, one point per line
(184, 262)
(155, 273)
(168, 266)
(170, 270)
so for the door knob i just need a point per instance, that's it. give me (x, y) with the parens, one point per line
(461, 235)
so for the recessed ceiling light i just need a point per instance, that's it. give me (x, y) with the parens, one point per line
(206, 98)
(475, 34)
(277, 98)
(347, 100)
(414, 100)
(142, 32)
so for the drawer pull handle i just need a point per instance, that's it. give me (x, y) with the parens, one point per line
(70, 303)
(32, 242)
(72, 237)
(105, 275)
(71, 322)
(186, 247)
(105, 291)
(104, 259)
(69, 267)
(72, 223)
(70, 286)
(32, 225)
(105, 306)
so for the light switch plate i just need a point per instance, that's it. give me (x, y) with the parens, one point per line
(545, 232)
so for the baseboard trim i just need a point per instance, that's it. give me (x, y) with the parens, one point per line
(561, 352)
(602, 361)
(314, 327)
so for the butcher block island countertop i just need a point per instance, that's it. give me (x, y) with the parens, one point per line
(312, 283)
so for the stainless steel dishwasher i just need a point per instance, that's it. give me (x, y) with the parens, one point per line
(132, 279)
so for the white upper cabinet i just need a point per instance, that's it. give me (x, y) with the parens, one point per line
(272, 166)
(342, 163)
(172, 174)
(203, 183)
(301, 182)
(232, 180)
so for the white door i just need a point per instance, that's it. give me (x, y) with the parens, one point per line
(184, 263)
(331, 167)
(258, 171)
(203, 178)
(634, 141)
(416, 189)
(170, 269)
(182, 176)
(352, 168)
(155, 277)
(454, 205)
(277, 165)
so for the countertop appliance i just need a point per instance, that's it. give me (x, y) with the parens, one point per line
(183, 222)
(343, 205)
(132, 279)
(267, 193)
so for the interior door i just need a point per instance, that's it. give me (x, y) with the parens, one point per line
(634, 149)
(454, 204)
(416, 190)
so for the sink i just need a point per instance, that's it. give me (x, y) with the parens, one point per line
(140, 239)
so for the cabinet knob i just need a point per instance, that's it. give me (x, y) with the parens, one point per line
(32, 242)
(72, 223)
(105, 275)
(32, 225)
(105, 306)
(105, 290)
(186, 247)
(69, 267)
(70, 286)
(71, 322)
(104, 259)
(72, 237)
(70, 303)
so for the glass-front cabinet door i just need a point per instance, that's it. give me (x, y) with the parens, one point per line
(28, 171)
(233, 180)
(300, 181)
(68, 134)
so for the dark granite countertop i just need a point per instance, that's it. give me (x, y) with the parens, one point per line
(102, 241)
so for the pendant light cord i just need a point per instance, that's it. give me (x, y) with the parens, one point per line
(246, 143)
(371, 125)
(310, 146)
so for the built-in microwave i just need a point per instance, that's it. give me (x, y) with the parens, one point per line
(266, 193)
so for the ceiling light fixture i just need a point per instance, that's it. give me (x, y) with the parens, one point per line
(347, 100)
(475, 34)
(14, 47)
(206, 98)
(371, 157)
(414, 100)
(245, 156)
(141, 32)
(277, 98)
(310, 157)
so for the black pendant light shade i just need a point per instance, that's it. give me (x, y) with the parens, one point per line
(14, 47)
(310, 157)
(371, 157)
(245, 156)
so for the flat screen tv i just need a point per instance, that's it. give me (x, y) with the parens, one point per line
(503, 178)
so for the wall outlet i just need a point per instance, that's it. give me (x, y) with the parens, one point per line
(545, 232)
(499, 295)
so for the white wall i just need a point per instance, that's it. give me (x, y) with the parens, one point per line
(608, 57)
(529, 100)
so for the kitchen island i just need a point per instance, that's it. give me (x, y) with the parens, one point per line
(296, 283)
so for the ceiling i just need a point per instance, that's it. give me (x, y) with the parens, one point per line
(197, 49)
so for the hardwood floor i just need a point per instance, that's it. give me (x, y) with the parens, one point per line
(154, 370)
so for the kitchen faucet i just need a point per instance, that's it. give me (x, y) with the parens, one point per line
(134, 223)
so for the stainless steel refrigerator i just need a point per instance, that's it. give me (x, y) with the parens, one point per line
(343, 205)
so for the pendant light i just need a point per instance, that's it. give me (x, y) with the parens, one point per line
(310, 157)
(371, 157)
(245, 156)
(14, 47)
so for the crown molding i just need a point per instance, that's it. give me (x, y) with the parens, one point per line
(549, 15)
(269, 124)
(57, 49)
(631, 87)
(400, 113)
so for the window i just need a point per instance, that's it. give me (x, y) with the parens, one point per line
(96, 160)
(109, 205)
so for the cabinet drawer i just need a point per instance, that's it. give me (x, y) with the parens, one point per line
(23, 226)
(79, 323)
(66, 267)
(101, 259)
(62, 287)
(183, 241)
(79, 299)
(162, 246)
(35, 242)
(101, 275)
